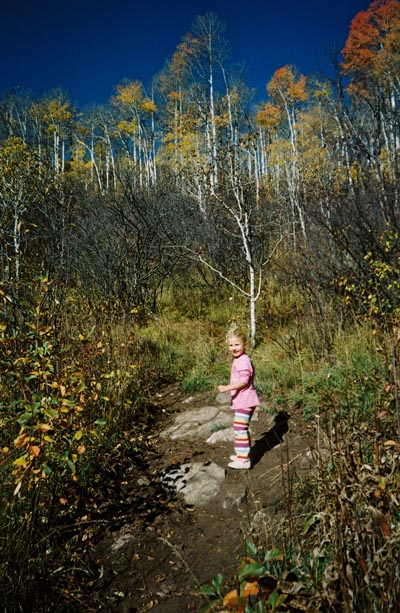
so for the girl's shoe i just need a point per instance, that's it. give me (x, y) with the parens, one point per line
(240, 464)
(235, 457)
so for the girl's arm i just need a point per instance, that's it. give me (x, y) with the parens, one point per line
(238, 385)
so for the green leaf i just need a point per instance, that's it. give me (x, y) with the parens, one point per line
(24, 418)
(52, 413)
(207, 589)
(276, 599)
(251, 547)
(273, 554)
(72, 466)
(217, 582)
(252, 570)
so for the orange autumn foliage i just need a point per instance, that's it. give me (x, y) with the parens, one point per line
(268, 116)
(372, 49)
(283, 83)
(237, 602)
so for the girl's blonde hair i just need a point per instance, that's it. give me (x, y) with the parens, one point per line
(236, 331)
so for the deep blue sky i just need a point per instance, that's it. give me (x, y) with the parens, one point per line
(87, 47)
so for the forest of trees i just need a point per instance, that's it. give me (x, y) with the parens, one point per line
(119, 197)
(186, 178)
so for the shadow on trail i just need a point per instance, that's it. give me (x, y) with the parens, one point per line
(271, 438)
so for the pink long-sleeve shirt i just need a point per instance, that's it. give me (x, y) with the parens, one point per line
(243, 370)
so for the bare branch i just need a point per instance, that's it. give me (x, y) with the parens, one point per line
(218, 272)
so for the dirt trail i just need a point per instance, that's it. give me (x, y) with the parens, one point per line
(158, 565)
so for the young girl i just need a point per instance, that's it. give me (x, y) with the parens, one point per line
(244, 397)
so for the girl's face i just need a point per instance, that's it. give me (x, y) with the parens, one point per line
(236, 346)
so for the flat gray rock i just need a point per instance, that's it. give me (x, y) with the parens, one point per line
(224, 398)
(198, 482)
(200, 423)
(226, 435)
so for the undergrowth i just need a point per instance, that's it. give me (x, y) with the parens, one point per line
(76, 391)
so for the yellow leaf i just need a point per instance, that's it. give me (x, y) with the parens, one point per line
(81, 449)
(19, 485)
(21, 461)
(78, 435)
(20, 440)
(390, 443)
(62, 390)
(44, 427)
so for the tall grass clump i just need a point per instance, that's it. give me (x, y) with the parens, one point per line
(344, 545)
(355, 524)
(182, 350)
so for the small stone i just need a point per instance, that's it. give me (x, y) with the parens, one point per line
(121, 541)
(235, 500)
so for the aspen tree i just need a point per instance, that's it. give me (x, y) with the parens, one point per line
(15, 113)
(288, 94)
(99, 135)
(267, 121)
(134, 109)
(58, 117)
(18, 173)
(209, 53)
(372, 61)
(174, 86)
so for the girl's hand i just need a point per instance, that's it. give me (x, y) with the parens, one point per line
(222, 388)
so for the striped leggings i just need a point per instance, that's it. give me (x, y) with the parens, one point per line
(241, 424)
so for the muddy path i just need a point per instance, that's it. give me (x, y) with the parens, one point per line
(159, 550)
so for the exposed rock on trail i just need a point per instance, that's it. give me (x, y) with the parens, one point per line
(199, 423)
(198, 482)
